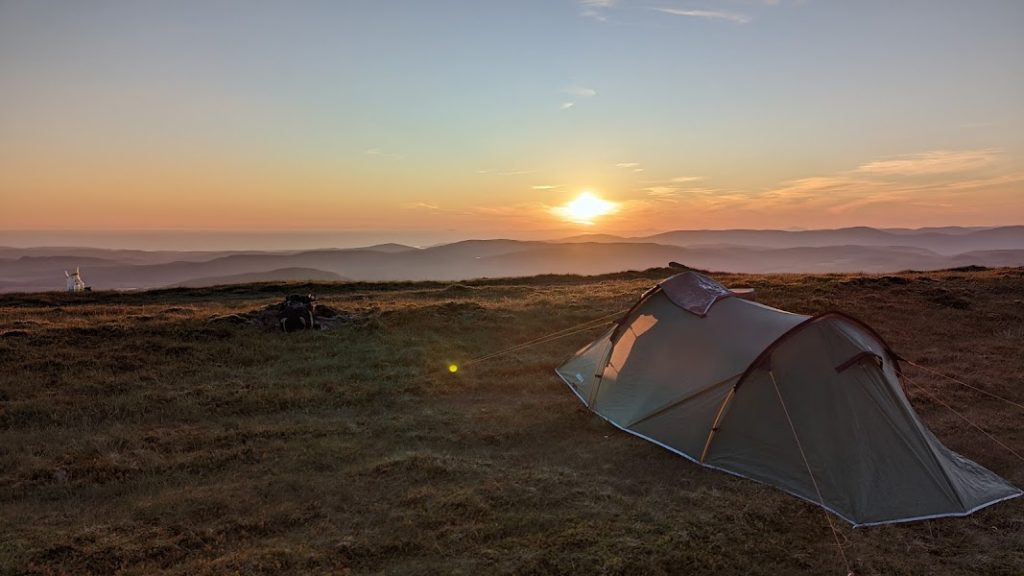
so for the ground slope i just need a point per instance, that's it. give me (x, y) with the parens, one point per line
(137, 438)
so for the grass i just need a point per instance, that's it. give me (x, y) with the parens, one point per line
(137, 438)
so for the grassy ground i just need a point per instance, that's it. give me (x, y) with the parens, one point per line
(136, 438)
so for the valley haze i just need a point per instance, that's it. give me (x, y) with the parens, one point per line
(858, 249)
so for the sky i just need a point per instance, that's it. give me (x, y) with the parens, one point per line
(481, 118)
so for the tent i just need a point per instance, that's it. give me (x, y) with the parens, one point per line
(810, 404)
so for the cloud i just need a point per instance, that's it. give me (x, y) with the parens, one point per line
(971, 186)
(576, 92)
(381, 153)
(422, 206)
(546, 187)
(895, 183)
(663, 192)
(933, 162)
(706, 14)
(912, 189)
(674, 191)
(595, 9)
(627, 165)
(524, 215)
(580, 91)
(669, 192)
(521, 215)
(506, 172)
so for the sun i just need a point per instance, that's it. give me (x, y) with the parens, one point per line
(585, 208)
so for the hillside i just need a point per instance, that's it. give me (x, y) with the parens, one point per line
(947, 241)
(136, 437)
(742, 251)
(279, 275)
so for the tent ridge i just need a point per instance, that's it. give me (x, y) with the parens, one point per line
(767, 352)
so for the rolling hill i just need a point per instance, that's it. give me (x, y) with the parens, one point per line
(280, 275)
(741, 251)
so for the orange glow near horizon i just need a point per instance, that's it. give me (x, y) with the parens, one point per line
(585, 209)
(196, 116)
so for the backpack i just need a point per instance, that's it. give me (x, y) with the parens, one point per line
(297, 313)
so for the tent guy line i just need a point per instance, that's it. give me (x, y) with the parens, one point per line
(803, 455)
(557, 335)
(962, 383)
(935, 398)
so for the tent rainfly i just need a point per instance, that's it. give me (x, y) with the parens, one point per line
(812, 405)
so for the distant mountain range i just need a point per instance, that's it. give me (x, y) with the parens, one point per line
(947, 241)
(752, 251)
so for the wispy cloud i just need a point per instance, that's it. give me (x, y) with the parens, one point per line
(895, 183)
(934, 162)
(910, 189)
(596, 9)
(422, 206)
(901, 190)
(673, 191)
(381, 153)
(735, 17)
(670, 193)
(505, 172)
(579, 91)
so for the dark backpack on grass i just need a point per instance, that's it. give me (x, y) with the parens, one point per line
(297, 313)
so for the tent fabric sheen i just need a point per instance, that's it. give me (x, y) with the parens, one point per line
(665, 371)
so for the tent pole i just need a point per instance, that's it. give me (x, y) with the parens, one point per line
(714, 425)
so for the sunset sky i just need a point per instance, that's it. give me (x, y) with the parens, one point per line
(477, 118)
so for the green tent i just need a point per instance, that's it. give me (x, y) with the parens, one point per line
(810, 404)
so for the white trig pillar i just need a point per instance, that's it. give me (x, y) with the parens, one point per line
(75, 282)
